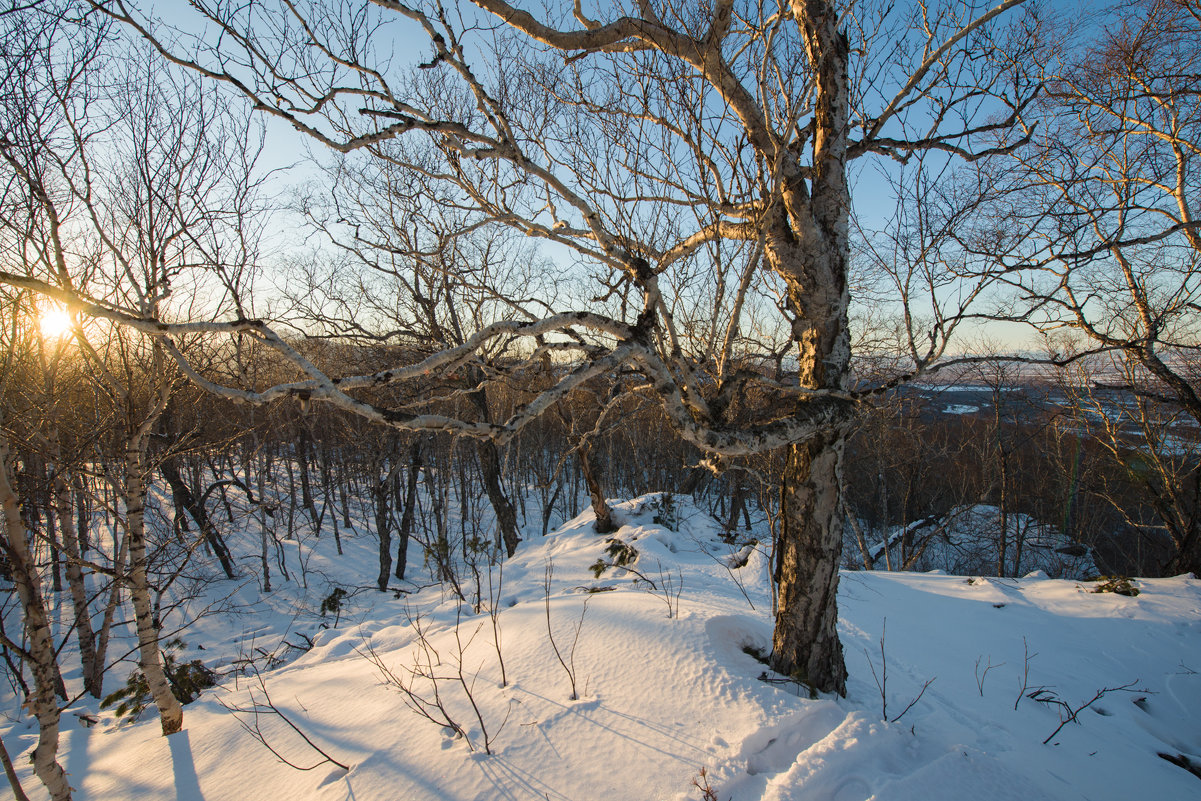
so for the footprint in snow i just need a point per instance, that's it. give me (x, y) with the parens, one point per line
(775, 748)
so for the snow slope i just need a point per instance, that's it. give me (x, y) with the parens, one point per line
(965, 540)
(662, 697)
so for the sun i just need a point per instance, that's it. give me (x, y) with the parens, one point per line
(56, 322)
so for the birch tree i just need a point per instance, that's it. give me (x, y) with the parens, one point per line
(19, 547)
(1097, 235)
(670, 147)
(133, 184)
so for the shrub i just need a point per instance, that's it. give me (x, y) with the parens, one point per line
(1116, 584)
(620, 555)
(187, 680)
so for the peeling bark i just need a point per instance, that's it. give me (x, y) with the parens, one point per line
(810, 249)
(805, 643)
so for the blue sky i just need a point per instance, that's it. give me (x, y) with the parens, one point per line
(288, 152)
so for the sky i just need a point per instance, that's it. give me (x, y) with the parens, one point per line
(289, 154)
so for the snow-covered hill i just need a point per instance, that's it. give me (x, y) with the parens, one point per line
(668, 683)
(967, 539)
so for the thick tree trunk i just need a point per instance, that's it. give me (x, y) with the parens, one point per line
(150, 660)
(805, 642)
(1185, 532)
(42, 704)
(1188, 557)
(808, 245)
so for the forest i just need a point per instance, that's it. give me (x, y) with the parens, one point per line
(427, 315)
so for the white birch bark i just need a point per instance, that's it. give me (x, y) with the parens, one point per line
(42, 704)
(149, 658)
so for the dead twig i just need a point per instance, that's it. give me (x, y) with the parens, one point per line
(568, 663)
(253, 726)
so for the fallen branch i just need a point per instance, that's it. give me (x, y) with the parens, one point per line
(1068, 714)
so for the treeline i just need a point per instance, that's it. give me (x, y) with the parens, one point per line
(1107, 470)
(1111, 472)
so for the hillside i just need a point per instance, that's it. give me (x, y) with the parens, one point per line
(668, 685)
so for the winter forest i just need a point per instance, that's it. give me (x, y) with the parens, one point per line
(486, 399)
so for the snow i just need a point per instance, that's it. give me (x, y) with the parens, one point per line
(668, 687)
(939, 388)
(966, 540)
(961, 408)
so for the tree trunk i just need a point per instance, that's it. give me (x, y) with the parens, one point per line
(1188, 555)
(1003, 469)
(150, 659)
(383, 529)
(259, 478)
(42, 704)
(604, 515)
(410, 507)
(79, 593)
(506, 515)
(344, 500)
(186, 501)
(110, 613)
(805, 643)
(303, 451)
(53, 541)
(865, 553)
(11, 773)
(83, 516)
(548, 508)
(327, 495)
(439, 551)
(807, 243)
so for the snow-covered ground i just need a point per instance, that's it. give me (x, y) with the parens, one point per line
(966, 540)
(669, 685)
(961, 408)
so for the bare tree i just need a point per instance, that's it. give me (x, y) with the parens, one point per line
(421, 278)
(19, 548)
(129, 193)
(41, 653)
(1154, 481)
(662, 145)
(1097, 237)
